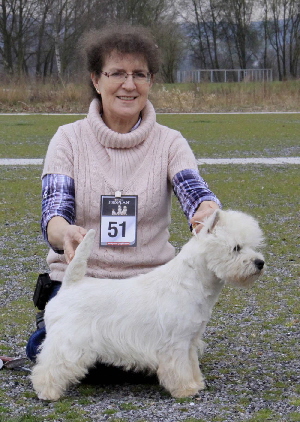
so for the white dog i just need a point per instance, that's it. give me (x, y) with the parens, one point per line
(151, 322)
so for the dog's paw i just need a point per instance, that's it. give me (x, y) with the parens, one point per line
(201, 345)
(187, 392)
(48, 395)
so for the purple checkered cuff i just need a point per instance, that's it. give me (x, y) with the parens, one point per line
(58, 199)
(191, 190)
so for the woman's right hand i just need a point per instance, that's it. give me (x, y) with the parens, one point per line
(73, 236)
(65, 236)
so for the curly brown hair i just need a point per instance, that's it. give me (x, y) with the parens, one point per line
(125, 39)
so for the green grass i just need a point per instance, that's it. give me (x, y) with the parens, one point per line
(253, 364)
(242, 135)
(110, 411)
(28, 136)
(213, 136)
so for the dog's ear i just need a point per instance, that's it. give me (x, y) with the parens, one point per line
(214, 221)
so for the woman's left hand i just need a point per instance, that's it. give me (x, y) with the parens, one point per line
(205, 209)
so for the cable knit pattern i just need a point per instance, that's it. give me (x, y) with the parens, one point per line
(100, 161)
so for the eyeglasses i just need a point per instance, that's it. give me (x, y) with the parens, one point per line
(120, 77)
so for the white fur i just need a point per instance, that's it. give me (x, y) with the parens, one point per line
(151, 322)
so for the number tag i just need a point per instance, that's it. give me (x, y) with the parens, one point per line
(118, 220)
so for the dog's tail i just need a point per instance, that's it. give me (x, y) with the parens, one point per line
(77, 268)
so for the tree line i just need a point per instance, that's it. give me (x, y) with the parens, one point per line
(40, 37)
(244, 34)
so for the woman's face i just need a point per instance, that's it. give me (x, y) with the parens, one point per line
(122, 102)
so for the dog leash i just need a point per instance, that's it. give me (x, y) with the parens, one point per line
(16, 364)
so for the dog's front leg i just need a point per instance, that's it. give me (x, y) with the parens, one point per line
(180, 374)
(196, 369)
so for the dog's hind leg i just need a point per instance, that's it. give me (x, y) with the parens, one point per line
(56, 370)
(178, 373)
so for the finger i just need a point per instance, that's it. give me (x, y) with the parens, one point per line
(196, 223)
(77, 237)
(197, 226)
(69, 252)
(73, 238)
(201, 215)
(196, 229)
(82, 232)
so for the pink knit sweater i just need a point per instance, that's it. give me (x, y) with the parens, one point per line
(100, 161)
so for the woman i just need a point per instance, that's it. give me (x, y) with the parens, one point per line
(114, 170)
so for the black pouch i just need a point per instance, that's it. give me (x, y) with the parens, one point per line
(42, 291)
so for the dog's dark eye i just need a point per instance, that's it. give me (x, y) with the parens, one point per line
(237, 248)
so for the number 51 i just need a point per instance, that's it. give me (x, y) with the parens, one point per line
(113, 228)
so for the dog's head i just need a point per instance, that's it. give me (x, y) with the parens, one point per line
(231, 239)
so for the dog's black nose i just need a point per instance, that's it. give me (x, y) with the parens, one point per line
(259, 263)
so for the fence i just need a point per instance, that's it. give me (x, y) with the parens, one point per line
(225, 75)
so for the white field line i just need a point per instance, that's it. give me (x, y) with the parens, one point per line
(200, 161)
(21, 161)
(268, 161)
(44, 114)
(239, 112)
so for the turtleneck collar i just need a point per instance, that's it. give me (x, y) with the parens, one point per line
(110, 139)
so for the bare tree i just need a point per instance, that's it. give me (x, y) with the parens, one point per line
(282, 23)
(264, 31)
(16, 19)
(238, 15)
(294, 50)
(202, 23)
(40, 36)
(6, 36)
(221, 32)
(171, 42)
(42, 49)
(277, 33)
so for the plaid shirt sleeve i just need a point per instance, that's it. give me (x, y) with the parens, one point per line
(191, 190)
(58, 199)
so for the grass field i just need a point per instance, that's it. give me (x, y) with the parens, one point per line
(210, 135)
(252, 360)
